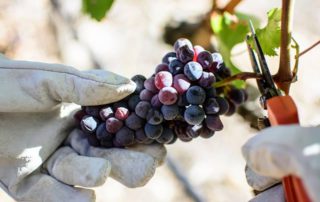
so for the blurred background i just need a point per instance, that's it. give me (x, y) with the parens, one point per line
(132, 39)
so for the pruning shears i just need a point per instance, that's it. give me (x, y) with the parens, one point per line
(281, 111)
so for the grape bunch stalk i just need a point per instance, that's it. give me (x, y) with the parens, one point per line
(179, 101)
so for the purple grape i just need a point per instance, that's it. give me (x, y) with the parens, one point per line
(174, 139)
(149, 84)
(139, 81)
(153, 131)
(185, 54)
(211, 106)
(214, 123)
(194, 131)
(206, 132)
(116, 144)
(182, 101)
(211, 92)
(236, 96)
(89, 124)
(245, 93)
(155, 102)
(93, 141)
(166, 136)
(207, 79)
(134, 122)
(162, 67)
(194, 115)
(113, 124)
(133, 101)
(125, 136)
(106, 112)
(224, 72)
(154, 117)
(180, 127)
(140, 136)
(79, 115)
(232, 109)
(93, 110)
(181, 83)
(176, 67)
(142, 109)
(169, 57)
(168, 95)
(184, 137)
(193, 71)
(102, 133)
(180, 116)
(181, 43)
(146, 95)
(170, 112)
(184, 50)
(223, 105)
(197, 50)
(217, 62)
(163, 79)
(205, 59)
(196, 95)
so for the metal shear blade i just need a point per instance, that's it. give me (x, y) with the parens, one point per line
(266, 85)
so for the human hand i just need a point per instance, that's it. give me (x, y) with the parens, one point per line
(34, 122)
(280, 151)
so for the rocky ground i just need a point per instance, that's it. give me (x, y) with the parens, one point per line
(129, 41)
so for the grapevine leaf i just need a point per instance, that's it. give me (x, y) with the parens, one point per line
(269, 36)
(230, 30)
(97, 9)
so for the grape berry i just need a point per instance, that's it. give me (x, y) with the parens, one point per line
(177, 102)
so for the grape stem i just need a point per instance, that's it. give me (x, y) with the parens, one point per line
(240, 76)
(296, 57)
(284, 76)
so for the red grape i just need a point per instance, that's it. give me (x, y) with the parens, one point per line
(168, 95)
(163, 79)
(122, 113)
(181, 83)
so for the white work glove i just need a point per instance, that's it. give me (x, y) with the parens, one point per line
(34, 124)
(280, 151)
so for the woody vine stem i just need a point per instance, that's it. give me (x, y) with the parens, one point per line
(284, 76)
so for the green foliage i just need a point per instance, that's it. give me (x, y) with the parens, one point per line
(269, 36)
(97, 9)
(231, 30)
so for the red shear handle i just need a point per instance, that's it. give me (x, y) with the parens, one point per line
(281, 111)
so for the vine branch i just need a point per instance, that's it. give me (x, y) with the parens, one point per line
(231, 6)
(284, 76)
(308, 49)
(240, 76)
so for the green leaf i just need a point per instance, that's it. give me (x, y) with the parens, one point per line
(269, 36)
(97, 9)
(231, 30)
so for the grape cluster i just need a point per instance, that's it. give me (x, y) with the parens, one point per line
(177, 102)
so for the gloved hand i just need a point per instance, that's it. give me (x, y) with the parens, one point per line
(280, 151)
(34, 123)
